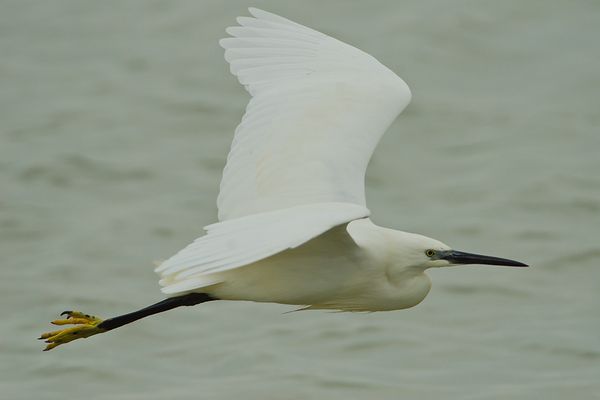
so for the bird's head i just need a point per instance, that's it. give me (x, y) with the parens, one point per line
(423, 252)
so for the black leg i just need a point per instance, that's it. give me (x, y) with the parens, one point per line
(190, 299)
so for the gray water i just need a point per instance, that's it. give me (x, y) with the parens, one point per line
(115, 120)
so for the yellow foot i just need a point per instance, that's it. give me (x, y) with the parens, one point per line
(85, 326)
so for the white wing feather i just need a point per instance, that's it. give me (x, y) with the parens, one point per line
(318, 109)
(298, 159)
(245, 240)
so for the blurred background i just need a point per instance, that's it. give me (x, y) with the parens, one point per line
(115, 122)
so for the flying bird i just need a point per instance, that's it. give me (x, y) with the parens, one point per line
(293, 223)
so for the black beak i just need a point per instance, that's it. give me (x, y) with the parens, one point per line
(460, 257)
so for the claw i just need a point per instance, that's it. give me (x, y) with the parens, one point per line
(85, 326)
(78, 314)
(50, 346)
(49, 334)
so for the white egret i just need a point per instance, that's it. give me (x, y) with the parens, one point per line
(293, 224)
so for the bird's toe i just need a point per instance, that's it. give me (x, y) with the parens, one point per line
(85, 326)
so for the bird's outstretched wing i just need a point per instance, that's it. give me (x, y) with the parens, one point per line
(242, 241)
(297, 163)
(318, 109)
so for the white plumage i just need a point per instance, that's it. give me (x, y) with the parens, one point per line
(241, 241)
(311, 95)
(294, 181)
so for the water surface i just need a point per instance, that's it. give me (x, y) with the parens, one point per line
(115, 120)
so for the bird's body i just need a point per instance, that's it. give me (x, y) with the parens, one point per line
(293, 223)
(292, 206)
(353, 267)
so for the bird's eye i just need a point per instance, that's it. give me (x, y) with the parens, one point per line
(430, 252)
